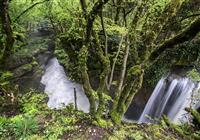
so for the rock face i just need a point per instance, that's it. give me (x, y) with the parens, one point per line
(138, 103)
(28, 63)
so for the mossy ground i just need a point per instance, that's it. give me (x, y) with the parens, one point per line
(35, 121)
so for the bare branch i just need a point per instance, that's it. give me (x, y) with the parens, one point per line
(114, 63)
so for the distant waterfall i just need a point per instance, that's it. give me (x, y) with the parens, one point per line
(170, 97)
(60, 89)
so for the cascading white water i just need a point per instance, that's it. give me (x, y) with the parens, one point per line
(168, 98)
(60, 89)
(151, 104)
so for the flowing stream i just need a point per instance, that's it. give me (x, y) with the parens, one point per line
(60, 89)
(170, 97)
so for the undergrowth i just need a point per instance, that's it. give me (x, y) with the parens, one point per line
(35, 121)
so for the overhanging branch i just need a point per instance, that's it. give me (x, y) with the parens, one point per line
(29, 8)
(190, 16)
(188, 34)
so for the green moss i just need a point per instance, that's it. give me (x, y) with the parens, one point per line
(103, 123)
(194, 75)
(18, 35)
(118, 135)
(62, 57)
(36, 137)
(37, 122)
(135, 70)
(138, 135)
(116, 117)
(20, 71)
(195, 114)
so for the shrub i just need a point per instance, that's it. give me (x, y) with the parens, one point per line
(24, 125)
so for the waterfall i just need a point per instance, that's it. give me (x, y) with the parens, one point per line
(170, 97)
(60, 89)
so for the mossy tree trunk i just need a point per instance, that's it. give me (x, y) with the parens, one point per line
(83, 55)
(133, 84)
(121, 81)
(7, 30)
(102, 89)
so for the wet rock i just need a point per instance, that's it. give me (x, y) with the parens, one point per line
(17, 61)
(28, 64)
(22, 70)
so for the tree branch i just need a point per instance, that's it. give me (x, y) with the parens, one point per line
(193, 15)
(29, 8)
(84, 8)
(114, 62)
(188, 34)
(92, 15)
(83, 56)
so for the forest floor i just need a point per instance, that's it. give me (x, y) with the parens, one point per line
(33, 120)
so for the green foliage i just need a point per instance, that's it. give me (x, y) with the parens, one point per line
(112, 28)
(35, 137)
(62, 57)
(135, 70)
(33, 102)
(54, 131)
(34, 15)
(186, 130)
(103, 123)
(9, 91)
(120, 134)
(37, 121)
(116, 117)
(19, 126)
(24, 125)
(4, 127)
(68, 20)
(4, 78)
(194, 75)
(137, 136)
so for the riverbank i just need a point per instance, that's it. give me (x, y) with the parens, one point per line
(35, 121)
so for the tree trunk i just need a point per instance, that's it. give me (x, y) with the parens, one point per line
(83, 55)
(118, 10)
(103, 80)
(132, 86)
(7, 30)
(84, 7)
(114, 63)
(121, 82)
